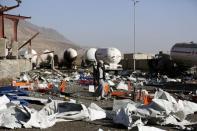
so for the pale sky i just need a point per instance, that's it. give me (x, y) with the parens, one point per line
(109, 23)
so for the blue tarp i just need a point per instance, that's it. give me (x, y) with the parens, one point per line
(12, 93)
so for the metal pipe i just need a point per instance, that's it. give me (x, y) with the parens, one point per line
(2, 35)
(15, 22)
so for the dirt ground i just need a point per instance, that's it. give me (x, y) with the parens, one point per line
(81, 94)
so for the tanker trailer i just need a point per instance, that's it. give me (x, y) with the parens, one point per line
(28, 54)
(89, 57)
(69, 57)
(56, 60)
(45, 59)
(182, 57)
(110, 56)
(184, 54)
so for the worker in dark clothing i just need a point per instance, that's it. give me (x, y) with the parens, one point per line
(100, 80)
(95, 74)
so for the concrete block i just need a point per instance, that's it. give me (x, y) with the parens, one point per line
(15, 49)
(3, 47)
(11, 68)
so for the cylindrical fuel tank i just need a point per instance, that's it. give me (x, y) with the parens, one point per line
(185, 53)
(56, 60)
(46, 56)
(24, 53)
(90, 55)
(108, 55)
(70, 55)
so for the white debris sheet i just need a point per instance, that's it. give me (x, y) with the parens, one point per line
(163, 110)
(122, 86)
(149, 128)
(17, 116)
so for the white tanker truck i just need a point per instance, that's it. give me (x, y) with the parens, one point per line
(184, 53)
(182, 57)
(28, 54)
(68, 58)
(89, 58)
(43, 59)
(111, 58)
(46, 58)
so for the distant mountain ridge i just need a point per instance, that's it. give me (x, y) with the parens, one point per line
(47, 39)
(46, 33)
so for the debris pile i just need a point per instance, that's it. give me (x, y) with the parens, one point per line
(163, 110)
(134, 105)
(18, 116)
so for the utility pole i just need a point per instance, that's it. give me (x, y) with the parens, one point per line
(134, 87)
(134, 4)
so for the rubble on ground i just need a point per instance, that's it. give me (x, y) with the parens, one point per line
(163, 110)
(64, 102)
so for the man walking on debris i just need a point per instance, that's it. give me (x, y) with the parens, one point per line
(62, 86)
(100, 80)
(95, 74)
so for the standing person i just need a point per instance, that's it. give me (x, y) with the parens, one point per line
(95, 74)
(62, 86)
(100, 80)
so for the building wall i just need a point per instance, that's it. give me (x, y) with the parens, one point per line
(140, 64)
(140, 59)
(139, 56)
(11, 68)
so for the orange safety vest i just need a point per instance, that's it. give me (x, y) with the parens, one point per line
(106, 88)
(62, 86)
(147, 99)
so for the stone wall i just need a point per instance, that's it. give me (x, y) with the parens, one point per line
(11, 68)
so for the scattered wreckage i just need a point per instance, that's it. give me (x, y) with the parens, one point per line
(17, 116)
(144, 112)
(163, 110)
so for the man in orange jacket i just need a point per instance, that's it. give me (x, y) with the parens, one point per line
(62, 86)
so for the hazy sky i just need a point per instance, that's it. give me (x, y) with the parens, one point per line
(109, 23)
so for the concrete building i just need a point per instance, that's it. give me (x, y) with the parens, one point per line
(11, 67)
(141, 61)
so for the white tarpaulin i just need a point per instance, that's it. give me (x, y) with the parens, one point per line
(149, 128)
(111, 83)
(163, 110)
(13, 116)
(3, 101)
(95, 112)
(10, 114)
(122, 86)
